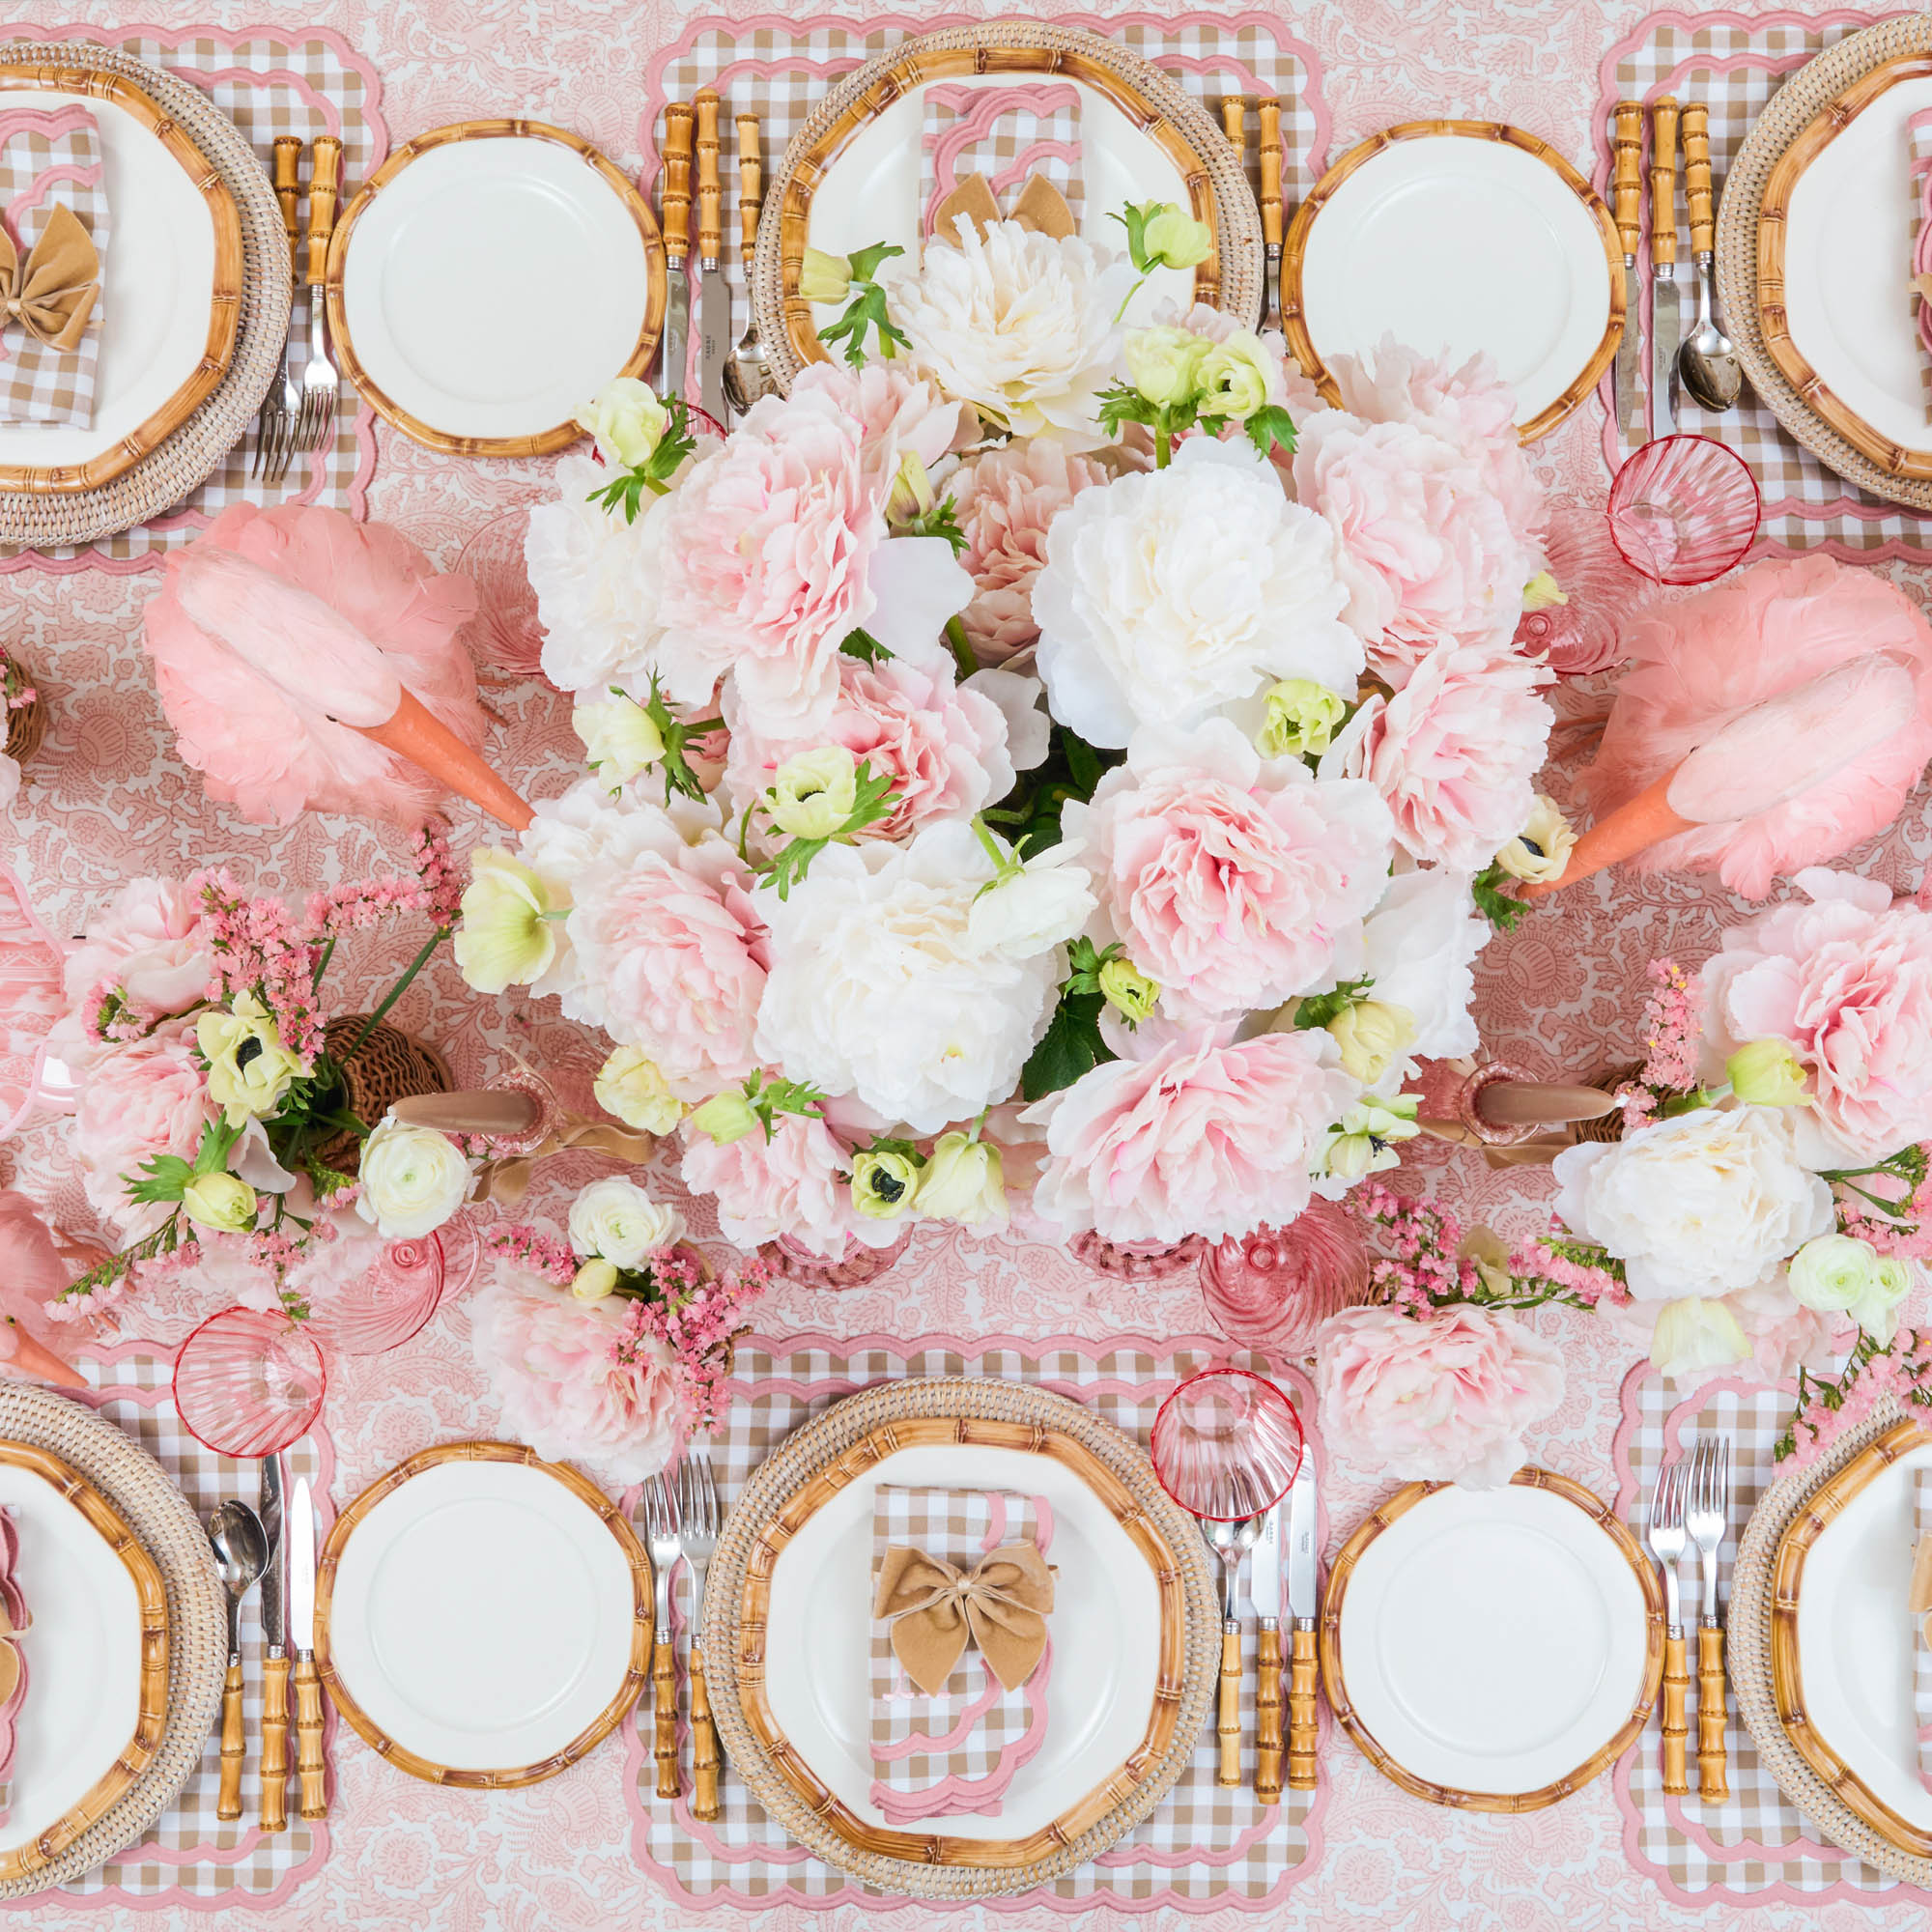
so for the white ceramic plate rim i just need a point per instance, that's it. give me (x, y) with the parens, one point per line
(83, 1656)
(1105, 1628)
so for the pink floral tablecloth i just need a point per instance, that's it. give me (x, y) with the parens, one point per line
(106, 798)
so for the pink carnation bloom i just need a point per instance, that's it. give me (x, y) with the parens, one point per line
(143, 1099)
(796, 1183)
(1197, 1139)
(1453, 752)
(1845, 977)
(1441, 1398)
(1235, 882)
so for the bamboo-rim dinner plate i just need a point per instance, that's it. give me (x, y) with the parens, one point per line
(96, 1656)
(852, 174)
(1455, 237)
(1492, 1649)
(488, 280)
(171, 283)
(483, 1618)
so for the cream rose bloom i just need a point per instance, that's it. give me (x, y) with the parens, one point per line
(413, 1180)
(1697, 1206)
(1169, 595)
(614, 1220)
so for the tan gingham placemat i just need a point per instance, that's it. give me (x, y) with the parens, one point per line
(1734, 66)
(782, 73)
(191, 1858)
(306, 84)
(1204, 1847)
(1758, 1844)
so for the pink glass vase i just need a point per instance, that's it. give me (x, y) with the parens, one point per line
(854, 1268)
(508, 632)
(1136, 1261)
(1585, 633)
(1274, 1288)
(249, 1383)
(1683, 510)
(1225, 1444)
(385, 1304)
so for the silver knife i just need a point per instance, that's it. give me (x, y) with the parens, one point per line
(275, 1657)
(301, 1631)
(1264, 1589)
(1304, 1603)
(1666, 322)
(676, 205)
(1627, 198)
(714, 292)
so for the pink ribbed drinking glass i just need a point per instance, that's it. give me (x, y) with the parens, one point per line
(1225, 1444)
(1684, 509)
(249, 1383)
(386, 1303)
(1272, 1288)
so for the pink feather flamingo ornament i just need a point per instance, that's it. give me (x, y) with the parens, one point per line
(310, 662)
(1769, 722)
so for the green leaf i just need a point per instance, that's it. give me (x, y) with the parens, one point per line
(1498, 907)
(789, 863)
(866, 311)
(1123, 404)
(861, 643)
(165, 1178)
(941, 521)
(1071, 1046)
(626, 491)
(1134, 220)
(771, 1098)
(217, 1139)
(867, 262)
(1270, 426)
(1319, 1009)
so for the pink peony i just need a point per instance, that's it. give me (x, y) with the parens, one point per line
(1421, 542)
(1235, 882)
(795, 1184)
(1453, 752)
(1197, 1139)
(1845, 977)
(1005, 500)
(145, 1098)
(150, 945)
(1441, 1398)
(551, 1363)
(898, 414)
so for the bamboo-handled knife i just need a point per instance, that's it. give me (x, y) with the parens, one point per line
(309, 1764)
(1264, 1589)
(1304, 1607)
(676, 213)
(1626, 203)
(275, 1653)
(1666, 322)
(714, 292)
(1269, 112)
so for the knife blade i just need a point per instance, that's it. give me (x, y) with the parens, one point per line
(1665, 322)
(1303, 1606)
(275, 1578)
(1264, 1589)
(677, 215)
(301, 1631)
(714, 292)
(1627, 198)
(275, 1658)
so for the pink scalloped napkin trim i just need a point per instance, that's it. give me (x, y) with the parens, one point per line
(18, 1620)
(1004, 136)
(957, 1753)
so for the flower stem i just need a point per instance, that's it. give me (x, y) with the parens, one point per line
(1163, 442)
(394, 994)
(962, 647)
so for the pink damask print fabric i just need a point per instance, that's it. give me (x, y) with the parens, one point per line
(1002, 135)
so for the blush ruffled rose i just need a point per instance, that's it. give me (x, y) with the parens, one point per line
(150, 946)
(145, 1100)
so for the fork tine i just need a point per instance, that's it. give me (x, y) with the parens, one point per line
(713, 1513)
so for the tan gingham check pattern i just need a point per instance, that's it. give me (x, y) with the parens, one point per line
(1919, 137)
(955, 1527)
(1005, 148)
(191, 1854)
(1204, 1846)
(1758, 1838)
(1733, 67)
(39, 383)
(780, 74)
(266, 86)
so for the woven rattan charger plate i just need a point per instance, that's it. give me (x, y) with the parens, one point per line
(1763, 1652)
(1741, 222)
(225, 317)
(1231, 278)
(135, 1490)
(644, 1605)
(849, 1441)
(1342, 1572)
(185, 459)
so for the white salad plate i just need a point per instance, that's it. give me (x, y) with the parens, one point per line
(1499, 1645)
(1481, 237)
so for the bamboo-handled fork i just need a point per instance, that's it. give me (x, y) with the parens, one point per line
(1665, 1535)
(275, 420)
(697, 1531)
(661, 1534)
(321, 386)
(1707, 1517)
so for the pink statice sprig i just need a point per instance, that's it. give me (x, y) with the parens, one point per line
(1828, 1407)
(1667, 1082)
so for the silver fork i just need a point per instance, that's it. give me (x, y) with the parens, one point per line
(1666, 1545)
(698, 1504)
(321, 386)
(666, 1546)
(275, 420)
(1708, 1520)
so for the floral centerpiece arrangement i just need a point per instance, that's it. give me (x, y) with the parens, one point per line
(613, 1344)
(1041, 767)
(214, 1124)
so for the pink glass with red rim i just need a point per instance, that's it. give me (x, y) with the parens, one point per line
(1225, 1444)
(247, 1383)
(1684, 509)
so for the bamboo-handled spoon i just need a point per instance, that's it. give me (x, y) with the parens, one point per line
(241, 1555)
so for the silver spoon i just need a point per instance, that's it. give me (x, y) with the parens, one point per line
(1708, 368)
(241, 1555)
(748, 375)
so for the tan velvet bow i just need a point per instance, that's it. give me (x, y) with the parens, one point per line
(1000, 1605)
(1040, 206)
(52, 295)
(508, 1180)
(1921, 287)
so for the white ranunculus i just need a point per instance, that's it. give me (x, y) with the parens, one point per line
(413, 1180)
(1840, 1275)
(1017, 323)
(1171, 593)
(627, 419)
(880, 990)
(1418, 945)
(1697, 1206)
(616, 1221)
(1038, 908)
(619, 738)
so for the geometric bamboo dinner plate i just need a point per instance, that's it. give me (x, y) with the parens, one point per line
(1135, 1624)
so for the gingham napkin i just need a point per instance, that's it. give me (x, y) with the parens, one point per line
(1005, 136)
(50, 160)
(11, 1656)
(1919, 134)
(1920, 1606)
(956, 1752)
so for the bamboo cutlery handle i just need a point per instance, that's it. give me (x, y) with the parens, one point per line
(1228, 1725)
(228, 1799)
(309, 1767)
(1712, 1784)
(323, 186)
(288, 191)
(1663, 182)
(664, 1695)
(1303, 1676)
(274, 1744)
(1235, 124)
(1697, 173)
(1627, 179)
(750, 190)
(1676, 1683)
(1271, 158)
(710, 202)
(677, 181)
(1267, 1717)
(704, 1757)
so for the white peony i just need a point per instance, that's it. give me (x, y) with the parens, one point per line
(1418, 947)
(413, 1180)
(1697, 1206)
(878, 988)
(1171, 594)
(1017, 323)
(615, 1220)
